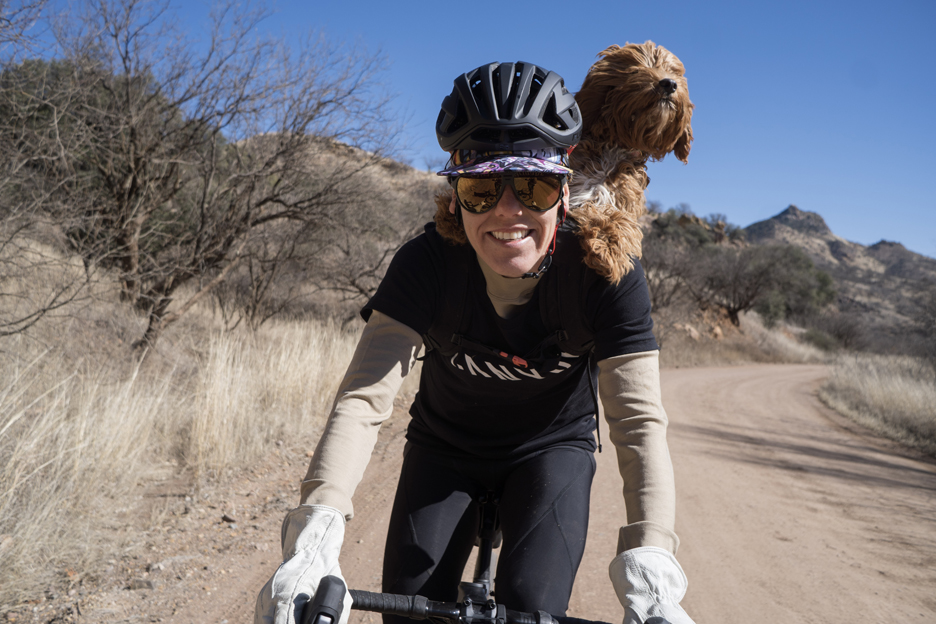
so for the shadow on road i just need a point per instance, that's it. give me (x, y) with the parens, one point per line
(822, 456)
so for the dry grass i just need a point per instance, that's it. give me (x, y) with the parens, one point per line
(893, 396)
(782, 343)
(85, 429)
(69, 440)
(78, 436)
(277, 384)
(750, 343)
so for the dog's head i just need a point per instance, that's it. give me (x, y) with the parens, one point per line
(636, 97)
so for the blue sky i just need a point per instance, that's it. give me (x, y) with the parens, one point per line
(826, 105)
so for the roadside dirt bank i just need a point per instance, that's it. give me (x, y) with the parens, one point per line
(785, 511)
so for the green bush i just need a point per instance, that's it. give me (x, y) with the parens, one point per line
(771, 308)
(821, 339)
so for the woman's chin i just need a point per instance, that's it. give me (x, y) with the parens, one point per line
(515, 266)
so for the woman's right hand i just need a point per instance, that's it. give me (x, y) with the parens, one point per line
(312, 538)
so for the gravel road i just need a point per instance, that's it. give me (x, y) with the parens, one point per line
(785, 511)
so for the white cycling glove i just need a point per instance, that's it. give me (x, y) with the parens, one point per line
(649, 582)
(312, 538)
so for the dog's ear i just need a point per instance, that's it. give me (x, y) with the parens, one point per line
(598, 81)
(683, 145)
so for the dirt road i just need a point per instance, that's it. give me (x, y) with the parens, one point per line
(786, 514)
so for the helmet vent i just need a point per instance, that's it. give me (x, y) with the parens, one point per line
(477, 92)
(460, 120)
(505, 90)
(535, 85)
(552, 118)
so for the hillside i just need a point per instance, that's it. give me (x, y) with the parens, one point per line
(880, 283)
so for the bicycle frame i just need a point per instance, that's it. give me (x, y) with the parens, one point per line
(479, 589)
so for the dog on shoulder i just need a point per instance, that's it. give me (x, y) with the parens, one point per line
(635, 107)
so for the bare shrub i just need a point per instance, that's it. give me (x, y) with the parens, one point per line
(665, 264)
(36, 279)
(294, 271)
(161, 155)
(846, 330)
(17, 26)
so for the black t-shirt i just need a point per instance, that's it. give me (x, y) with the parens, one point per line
(474, 403)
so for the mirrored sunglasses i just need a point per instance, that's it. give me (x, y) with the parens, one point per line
(535, 192)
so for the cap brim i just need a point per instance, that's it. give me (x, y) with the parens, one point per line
(502, 164)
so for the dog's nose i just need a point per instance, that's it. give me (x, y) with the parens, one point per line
(668, 86)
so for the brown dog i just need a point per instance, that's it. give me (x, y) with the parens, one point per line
(635, 106)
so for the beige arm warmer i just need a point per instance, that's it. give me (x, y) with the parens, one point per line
(384, 356)
(630, 394)
(629, 386)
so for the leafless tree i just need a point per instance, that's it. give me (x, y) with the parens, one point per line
(666, 266)
(37, 275)
(269, 281)
(18, 21)
(398, 202)
(177, 152)
(342, 264)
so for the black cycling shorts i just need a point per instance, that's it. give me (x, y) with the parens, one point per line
(543, 515)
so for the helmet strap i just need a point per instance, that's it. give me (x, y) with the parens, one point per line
(547, 260)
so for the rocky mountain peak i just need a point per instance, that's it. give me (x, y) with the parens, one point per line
(882, 279)
(888, 245)
(802, 221)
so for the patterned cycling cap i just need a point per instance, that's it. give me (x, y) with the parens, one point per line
(473, 163)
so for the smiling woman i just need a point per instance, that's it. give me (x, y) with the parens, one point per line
(516, 327)
(510, 238)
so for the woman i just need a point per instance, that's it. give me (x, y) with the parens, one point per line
(515, 328)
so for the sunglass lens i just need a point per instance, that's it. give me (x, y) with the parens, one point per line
(538, 192)
(478, 194)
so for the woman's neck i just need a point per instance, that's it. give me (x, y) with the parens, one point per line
(508, 294)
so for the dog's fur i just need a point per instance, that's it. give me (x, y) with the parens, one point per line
(627, 119)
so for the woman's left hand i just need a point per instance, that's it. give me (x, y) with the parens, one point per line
(649, 582)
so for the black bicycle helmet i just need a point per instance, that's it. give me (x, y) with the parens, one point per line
(509, 106)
